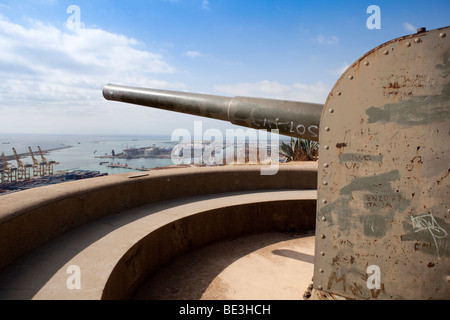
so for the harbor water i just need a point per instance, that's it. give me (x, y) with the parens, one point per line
(83, 152)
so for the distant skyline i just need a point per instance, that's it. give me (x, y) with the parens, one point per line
(56, 56)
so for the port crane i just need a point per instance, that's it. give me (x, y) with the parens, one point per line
(38, 167)
(9, 172)
(48, 167)
(23, 169)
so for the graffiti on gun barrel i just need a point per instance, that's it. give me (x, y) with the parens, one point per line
(286, 126)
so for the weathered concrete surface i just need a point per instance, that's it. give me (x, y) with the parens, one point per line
(114, 254)
(116, 248)
(232, 216)
(269, 266)
(32, 217)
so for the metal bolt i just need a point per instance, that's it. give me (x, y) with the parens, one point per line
(386, 52)
(408, 44)
(338, 93)
(322, 253)
(324, 219)
(442, 35)
(322, 236)
(321, 270)
(420, 30)
(324, 201)
(326, 165)
(417, 40)
(327, 147)
(325, 183)
(366, 63)
(331, 110)
(327, 129)
(350, 77)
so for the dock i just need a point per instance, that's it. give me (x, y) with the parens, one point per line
(57, 177)
(125, 166)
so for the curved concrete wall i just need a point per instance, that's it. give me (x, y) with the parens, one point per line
(30, 218)
(257, 212)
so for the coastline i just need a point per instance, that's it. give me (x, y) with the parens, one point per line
(27, 154)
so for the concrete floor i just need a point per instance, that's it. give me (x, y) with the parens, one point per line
(271, 266)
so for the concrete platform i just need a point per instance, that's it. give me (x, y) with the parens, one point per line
(112, 233)
(269, 266)
(115, 253)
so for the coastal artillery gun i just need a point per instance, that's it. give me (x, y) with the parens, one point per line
(291, 118)
(383, 210)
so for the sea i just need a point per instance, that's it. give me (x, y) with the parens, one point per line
(82, 152)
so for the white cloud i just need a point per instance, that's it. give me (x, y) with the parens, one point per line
(54, 71)
(193, 54)
(316, 93)
(409, 27)
(205, 5)
(330, 40)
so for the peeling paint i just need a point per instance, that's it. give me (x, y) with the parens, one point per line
(374, 225)
(358, 157)
(418, 111)
(374, 183)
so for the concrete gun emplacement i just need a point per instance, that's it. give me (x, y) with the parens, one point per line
(383, 210)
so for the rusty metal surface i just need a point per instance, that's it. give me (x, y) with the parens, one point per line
(383, 213)
(291, 118)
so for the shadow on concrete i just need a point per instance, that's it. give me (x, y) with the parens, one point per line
(295, 255)
(189, 277)
(25, 278)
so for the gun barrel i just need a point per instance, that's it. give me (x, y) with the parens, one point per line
(291, 118)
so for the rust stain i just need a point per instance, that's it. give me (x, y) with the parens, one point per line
(443, 177)
(405, 82)
(341, 145)
(416, 160)
(394, 85)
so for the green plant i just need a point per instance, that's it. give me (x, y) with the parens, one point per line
(299, 150)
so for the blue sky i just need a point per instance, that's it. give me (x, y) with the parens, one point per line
(51, 75)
